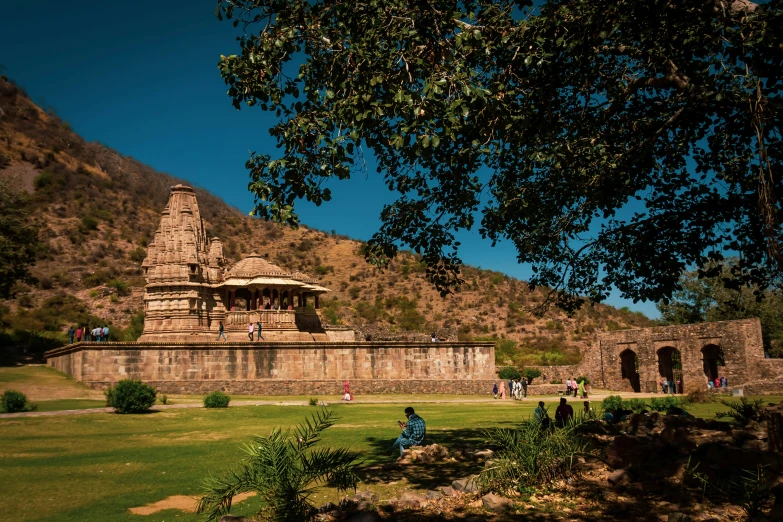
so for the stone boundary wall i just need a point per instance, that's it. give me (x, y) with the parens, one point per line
(562, 373)
(280, 362)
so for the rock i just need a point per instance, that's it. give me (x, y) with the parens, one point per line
(678, 517)
(496, 503)
(449, 491)
(620, 477)
(364, 496)
(411, 500)
(481, 454)
(466, 485)
(365, 516)
(433, 495)
(753, 444)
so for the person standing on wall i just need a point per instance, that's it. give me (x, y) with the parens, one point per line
(221, 333)
(71, 333)
(250, 331)
(258, 329)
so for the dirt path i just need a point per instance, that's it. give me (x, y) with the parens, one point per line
(596, 397)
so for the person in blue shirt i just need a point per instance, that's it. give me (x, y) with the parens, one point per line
(413, 431)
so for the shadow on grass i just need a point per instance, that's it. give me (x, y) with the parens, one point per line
(381, 464)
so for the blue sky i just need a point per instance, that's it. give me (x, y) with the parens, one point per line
(142, 78)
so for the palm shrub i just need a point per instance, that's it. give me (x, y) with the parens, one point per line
(130, 396)
(13, 401)
(216, 399)
(531, 455)
(285, 469)
(742, 412)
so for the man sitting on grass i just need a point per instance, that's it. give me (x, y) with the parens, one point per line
(412, 431)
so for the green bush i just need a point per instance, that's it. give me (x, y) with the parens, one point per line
(313, 401)
(612, 403)
(635, 405)
(531, 373)
(13, 401)
(216, 399)
(509, 373)
(130, 396)
(119, 285)
(664, 403)
(583, 379)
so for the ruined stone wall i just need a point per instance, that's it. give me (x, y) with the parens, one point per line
(207, 365)
(740, 342)
(562, 373)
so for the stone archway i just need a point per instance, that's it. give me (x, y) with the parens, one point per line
(712, 357)
(670, 366)
(629, 365)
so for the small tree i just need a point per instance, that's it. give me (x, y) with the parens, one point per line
(285, 469)
(509, 372)
(531, 373)
(130, 396)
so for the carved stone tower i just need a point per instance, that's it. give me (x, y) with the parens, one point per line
(181, 266)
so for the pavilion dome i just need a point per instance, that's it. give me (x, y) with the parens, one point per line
(301, 276)
(254, 265)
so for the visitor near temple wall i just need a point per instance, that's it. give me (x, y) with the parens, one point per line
(106, 333)
(347, 391)
(79, 334)
(709, 384)
(524, 386)
(71, 333)
(250, 331)
(574, 386)
(86, 333)
(724, 383)
(258, 329)
(568, 387)
(511, 387)
(502, 389)
(495, 390)
(221, 332)
(717, 383)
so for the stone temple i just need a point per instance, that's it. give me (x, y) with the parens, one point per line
(191, 289)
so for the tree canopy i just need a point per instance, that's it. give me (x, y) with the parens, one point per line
(615, 143)
(18, 238)
(712, 299)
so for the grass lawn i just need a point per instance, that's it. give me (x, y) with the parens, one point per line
(98, 466)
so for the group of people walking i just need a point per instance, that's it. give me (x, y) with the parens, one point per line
(671, 387)
(97, 334)
(517, 388)
(251, 329)
(577, 388)
(719, 382)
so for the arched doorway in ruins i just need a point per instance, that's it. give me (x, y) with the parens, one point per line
(712, 358)
(629, 365)
(670, 366)
(242, 299)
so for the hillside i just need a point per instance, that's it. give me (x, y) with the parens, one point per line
(97, 209)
